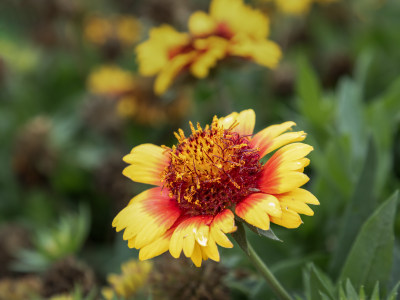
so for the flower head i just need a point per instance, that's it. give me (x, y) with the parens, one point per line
(205, 178)
(230, 29)
(134, 276)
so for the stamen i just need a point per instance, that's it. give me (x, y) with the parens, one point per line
(212, 169)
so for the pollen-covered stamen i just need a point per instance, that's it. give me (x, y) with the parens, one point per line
(212, 169)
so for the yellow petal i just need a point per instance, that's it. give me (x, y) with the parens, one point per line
(228, 121)
(157, 247)
(171, 70)
(220, 238)
(242, 122)
(211, 50)
(153, 54)
(246, 120)
(299, 195)
(240, 18)
(282, 182)
(257, 208)
(147, 161)
(263, 52)
(196, 255)
(265, 138)
(191, 231)
(289, 219)
(188, 245)
(211, 250)
(148, 218)
(201, 24)
(294, 151)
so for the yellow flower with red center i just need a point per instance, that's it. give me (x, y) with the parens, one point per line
(205, 178)
(230, 29)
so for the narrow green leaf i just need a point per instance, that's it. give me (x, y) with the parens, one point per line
(342, 294)
(349, 117)
(324, 296)
(375, 292)
(361, 206)
(308, 86)
(370, 259)
(362, 293)
(311, 104)
(240, 237)
(350, 291)
(393, 293)
(320, 282)
(307, 283)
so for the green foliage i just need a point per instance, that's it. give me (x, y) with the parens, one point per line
(358, 209)
(51, 244)
(370, 259)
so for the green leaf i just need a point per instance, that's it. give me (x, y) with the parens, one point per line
(310, 103)
(361, 206)
(362, 293)
(240, 237)
(324, 296)
(393, 293)
(342, 294)
(266, 233)
(350, 291)
(349, 116)
(375, 292)
(370, 259)
(319, 283)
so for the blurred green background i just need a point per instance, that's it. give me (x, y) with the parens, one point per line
(62, 141)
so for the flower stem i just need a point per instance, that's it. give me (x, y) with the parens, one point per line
(267, 274)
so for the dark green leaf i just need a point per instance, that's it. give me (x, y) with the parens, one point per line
(240, 236)
(266, 233)
(358, 210)
(370, 259)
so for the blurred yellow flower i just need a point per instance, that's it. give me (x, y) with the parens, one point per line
(134, 276)
(135, 97)
(125, 29)
(110, 80)
(230, 29)
(294, 7)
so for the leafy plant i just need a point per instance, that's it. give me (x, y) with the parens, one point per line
(50, 244)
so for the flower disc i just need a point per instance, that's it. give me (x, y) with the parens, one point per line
(211, 170)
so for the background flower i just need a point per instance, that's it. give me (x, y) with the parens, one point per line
(211, 38)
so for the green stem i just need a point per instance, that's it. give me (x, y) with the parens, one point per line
(267, 274)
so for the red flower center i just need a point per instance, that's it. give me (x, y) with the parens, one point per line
(211, 170)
